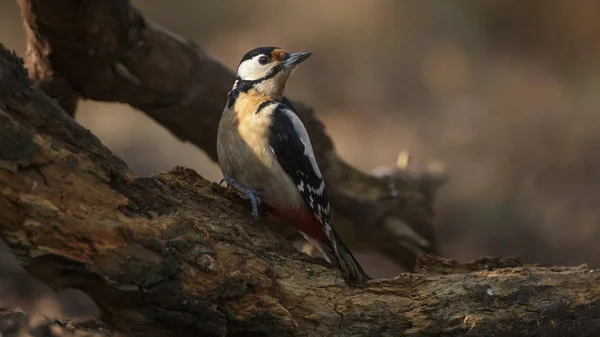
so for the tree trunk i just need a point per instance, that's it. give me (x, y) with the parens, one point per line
(106, 51)
(176, 255)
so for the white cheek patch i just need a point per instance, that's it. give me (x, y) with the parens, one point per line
(251, 70)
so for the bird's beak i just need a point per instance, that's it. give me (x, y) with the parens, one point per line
(294, 59)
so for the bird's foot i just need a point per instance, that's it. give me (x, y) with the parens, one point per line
(253, 195)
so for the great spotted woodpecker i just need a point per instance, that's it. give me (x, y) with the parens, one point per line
(265, 153)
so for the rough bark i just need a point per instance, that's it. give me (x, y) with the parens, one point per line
(15, 323)
(176, 255)
(106, 51)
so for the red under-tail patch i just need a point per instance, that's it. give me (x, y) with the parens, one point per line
(304, 220)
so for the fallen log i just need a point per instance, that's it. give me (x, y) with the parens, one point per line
(176, 255)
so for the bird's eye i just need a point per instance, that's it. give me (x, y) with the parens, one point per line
(263, 60)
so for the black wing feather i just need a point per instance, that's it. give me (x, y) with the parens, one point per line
(290, 153)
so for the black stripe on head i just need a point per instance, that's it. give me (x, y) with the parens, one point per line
(258, 51)
(273, 53)
(240, 86)
(232, 96)
(245, 85)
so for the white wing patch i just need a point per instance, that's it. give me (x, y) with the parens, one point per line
(308, 150)
(319, 190)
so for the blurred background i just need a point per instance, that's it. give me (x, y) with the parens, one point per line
(504, 93)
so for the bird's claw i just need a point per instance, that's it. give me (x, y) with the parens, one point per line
(253, 195)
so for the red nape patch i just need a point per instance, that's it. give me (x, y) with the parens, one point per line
(304, 220)
(277, 54)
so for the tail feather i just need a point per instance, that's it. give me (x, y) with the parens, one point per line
(323, 237)
(337, 252)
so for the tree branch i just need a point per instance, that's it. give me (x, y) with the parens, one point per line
(106, 51)
(174, 254)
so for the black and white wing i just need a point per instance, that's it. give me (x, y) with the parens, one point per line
(291, 146)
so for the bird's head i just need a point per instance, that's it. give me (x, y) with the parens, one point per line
(267, 69)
